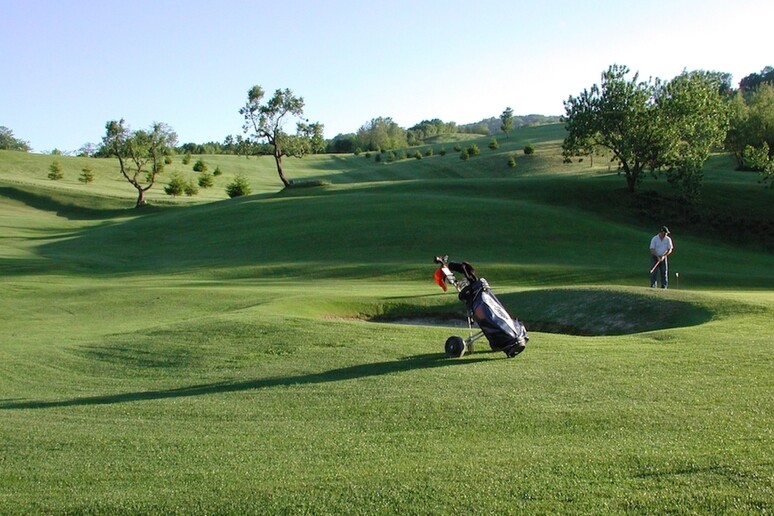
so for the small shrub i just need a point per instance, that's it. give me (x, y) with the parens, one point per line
(512, 161)
(206, 180)
(464, 155)
(429, 152)
(473, 150)
(87, 175)
(200, 166)
(238, 187)
(358, 151)
(191, 189)
(493, 144)
(55, 171)
(457, 147)
(217, 172)
(529, 149)
(442, 152)
(187, 158)
(417, 155)
(176, 185)
(167, 160)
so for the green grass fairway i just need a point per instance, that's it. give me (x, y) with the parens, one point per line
(209, 355)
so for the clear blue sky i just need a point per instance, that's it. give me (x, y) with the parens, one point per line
(69, 66)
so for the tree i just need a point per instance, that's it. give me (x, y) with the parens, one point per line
(694, 119)
(752, 122)
(507, 121)
(176, 185)
(617, 116)
(238, 187)
(140, 153)
(648, 125)
(9, 142)
(752, 81)
(382, 133)
(266, 121)
(55, 171)
(87, 175)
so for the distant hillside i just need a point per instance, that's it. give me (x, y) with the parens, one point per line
(492, 125)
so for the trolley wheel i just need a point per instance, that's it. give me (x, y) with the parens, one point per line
(455, 347)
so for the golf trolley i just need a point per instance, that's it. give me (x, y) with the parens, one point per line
(503, 332)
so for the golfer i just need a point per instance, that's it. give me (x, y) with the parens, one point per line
(660, 247)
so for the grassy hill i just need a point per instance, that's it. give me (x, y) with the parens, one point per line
(240, 355)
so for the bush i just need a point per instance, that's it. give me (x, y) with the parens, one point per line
(176, 185)
(187, 158)
(512, 162)
(217, 172)
(429, 152)
(442, 152)
(464, 155)
(529, 149)
(55, 171)
(167, 160)
(238, 187)
(206, 180)
(417, 155)
(473, 150)
(457, 147)
(87, 175)
(200, 166)
(493, 144)
(191, 189)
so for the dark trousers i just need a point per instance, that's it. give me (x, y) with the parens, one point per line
(662, 271)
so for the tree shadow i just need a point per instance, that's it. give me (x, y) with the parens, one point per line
(426, 361)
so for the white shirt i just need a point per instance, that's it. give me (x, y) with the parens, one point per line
(661, 246)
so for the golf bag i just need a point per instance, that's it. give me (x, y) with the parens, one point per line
(503, 332)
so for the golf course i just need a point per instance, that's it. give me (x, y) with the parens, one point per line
(283, 352)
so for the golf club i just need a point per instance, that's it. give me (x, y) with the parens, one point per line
(657, 264)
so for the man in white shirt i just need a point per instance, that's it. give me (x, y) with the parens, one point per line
(660, 247)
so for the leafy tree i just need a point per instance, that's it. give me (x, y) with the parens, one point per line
(238, 187)
(140, 153)
(752, 121)
(266, 121)
(754, 80)
(9, 142)
(507, 121)
(695, 120)
(648, 125)
(87, 175)
(382, 133)
(55, 171)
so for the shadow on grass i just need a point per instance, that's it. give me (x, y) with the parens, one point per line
(427, 361)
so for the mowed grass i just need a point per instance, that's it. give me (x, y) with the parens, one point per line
(220, 356)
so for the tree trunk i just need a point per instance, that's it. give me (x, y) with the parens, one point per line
(278, 159)
(140, 198)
